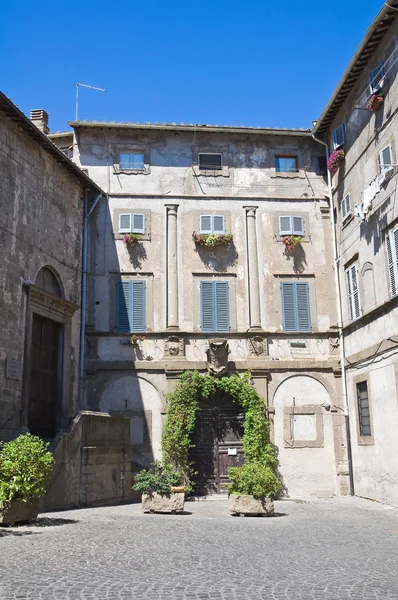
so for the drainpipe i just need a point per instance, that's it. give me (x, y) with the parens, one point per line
(336, 261)
(83, 307)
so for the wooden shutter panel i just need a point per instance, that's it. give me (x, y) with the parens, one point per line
(285, 225)
(298, 225)
(207, 311)
(222, 308)
(138, 223)
(218, 224)
(353, 293)
(123, 304)
(205, 223)
(288, 307)
(392, 257)
(138, 306)
(125, 223)
(303, 307)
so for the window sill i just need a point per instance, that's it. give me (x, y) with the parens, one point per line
(347, 220)
(224, 172)
(286, 175)
(145, 171)
(145, 237)
(367, 440)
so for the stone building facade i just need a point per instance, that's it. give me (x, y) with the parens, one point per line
(364, 191)
(274, 309)
(41, 217)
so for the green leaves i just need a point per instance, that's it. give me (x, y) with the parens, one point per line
(253, 479)
(25, 468)
(159, 480)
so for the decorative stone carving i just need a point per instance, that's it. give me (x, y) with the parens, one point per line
(257, 345)
(334, 345)
(174, 345)
(50, 302)
(91, 347)
(217, 357)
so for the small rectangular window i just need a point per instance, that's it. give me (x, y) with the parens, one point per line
(214, 306)
(392, 258)
(322, 166)
(131, 160)
(210, 162)
(212, 224)
(353, 292)
(131, 223)
(385, 161)
(130, 306)
(376, 78)
(295, 306)
(289, 225)
(363, 409)
(339, 136)
(345, 207)
(286, 164)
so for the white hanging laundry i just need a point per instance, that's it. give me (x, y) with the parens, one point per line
(369, 194)
(358, 212)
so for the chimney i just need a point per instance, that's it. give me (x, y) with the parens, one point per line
(40, 118)
(313, 123)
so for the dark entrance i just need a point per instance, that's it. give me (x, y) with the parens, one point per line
(44, 377)
(217, 443)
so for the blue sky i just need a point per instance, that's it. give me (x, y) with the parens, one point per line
(261, 63)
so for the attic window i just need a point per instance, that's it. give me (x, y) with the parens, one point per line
(209, 162)
(376, 78)
(339, 136)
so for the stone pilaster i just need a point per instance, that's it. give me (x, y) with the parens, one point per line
(252, 268)
(172, 267)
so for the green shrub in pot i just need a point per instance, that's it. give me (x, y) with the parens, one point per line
(253, 479)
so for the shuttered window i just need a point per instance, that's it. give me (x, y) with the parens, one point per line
(339, 136)
(214, 306)
(392, 258)
(363, 409)
(295, 306)
(131, 223)
(130, 306)
(345, 207)
(385, 160)
(212, 224)
(353, 292)
(289, 225)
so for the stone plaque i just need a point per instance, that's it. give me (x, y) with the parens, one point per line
(13, 369)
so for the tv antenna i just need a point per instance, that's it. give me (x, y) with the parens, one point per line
(77, 94)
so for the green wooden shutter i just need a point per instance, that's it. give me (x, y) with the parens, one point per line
(138, 305)
(288, 306)
(123, 305)
(303, 306)
(207, 312)
(222, 308)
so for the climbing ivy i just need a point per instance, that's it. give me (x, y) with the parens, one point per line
(191, 388)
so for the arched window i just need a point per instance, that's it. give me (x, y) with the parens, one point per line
(47, 281)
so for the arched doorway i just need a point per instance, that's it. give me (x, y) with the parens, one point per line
(216, 443)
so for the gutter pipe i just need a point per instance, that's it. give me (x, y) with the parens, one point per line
(83, 307)
(336, 261)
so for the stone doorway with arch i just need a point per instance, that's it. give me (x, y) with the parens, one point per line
(47, 393)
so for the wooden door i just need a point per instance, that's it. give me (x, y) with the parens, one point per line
(217, 444)
(43, 378)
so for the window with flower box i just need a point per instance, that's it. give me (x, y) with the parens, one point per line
(291, 225)
(212, 224)
(339, 136)
(131, 223)
(376, 77)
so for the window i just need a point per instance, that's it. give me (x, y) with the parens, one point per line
(295, 306)
(210, 162)
(131, 223)
(286, 164)
(289, 225)
(214, 308)
(363, 409)
(353, 292)
(385, 162)
(392, 257)
(131, 160)
(322, 166)
(130, 306)
(376, 78)
(339, 136)
(212, 224)
(345, 207)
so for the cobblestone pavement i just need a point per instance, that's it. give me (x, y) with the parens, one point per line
(343, 548)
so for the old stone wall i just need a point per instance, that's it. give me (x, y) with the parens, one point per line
(40, 225)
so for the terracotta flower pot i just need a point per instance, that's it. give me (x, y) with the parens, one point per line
(375, 102)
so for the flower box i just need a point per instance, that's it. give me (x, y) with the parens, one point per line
(336, 159)
(375, 101)
(130, 239)
(135, 339)
(292, 242)
(210, 240)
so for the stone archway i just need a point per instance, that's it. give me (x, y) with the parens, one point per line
(303, 428)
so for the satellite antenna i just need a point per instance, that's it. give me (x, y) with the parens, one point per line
(77, 94)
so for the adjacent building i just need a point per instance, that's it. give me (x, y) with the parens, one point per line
(361, 119)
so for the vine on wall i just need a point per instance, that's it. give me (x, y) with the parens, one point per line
(191, 388)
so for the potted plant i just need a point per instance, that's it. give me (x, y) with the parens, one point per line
(130, 239)
(135, 339)
(375, 101)
(161, 489)
(252, 489)
(26, 467)
(292, 242)
(210, 240)
(336, 159)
